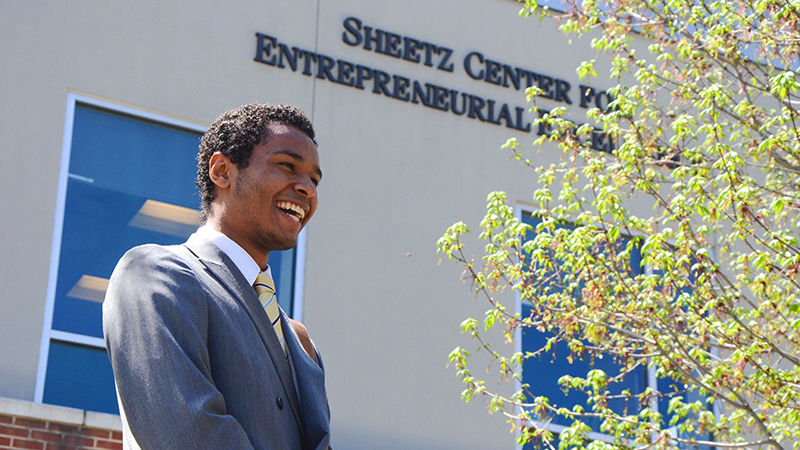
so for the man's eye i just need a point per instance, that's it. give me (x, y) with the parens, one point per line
(288, 165)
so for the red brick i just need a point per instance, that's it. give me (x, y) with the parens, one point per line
(108, 444)
(61, 428)
(21, 443)
(116, 435)
(12, 431)
(105, 434)
(45, 436)
(60, 447)
(77, 441)
(5, 441)
(28, 423)
(6, 419)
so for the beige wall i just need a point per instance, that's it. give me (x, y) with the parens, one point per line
(383, 312)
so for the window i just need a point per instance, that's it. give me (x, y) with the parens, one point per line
(542, 373)
(128, 178)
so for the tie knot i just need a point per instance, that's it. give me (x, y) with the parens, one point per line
(264, 284)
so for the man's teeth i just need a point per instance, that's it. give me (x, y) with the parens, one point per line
(297, 210)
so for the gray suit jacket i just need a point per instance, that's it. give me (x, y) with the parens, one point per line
(196, 362)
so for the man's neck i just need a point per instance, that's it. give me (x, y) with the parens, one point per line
(261, 258)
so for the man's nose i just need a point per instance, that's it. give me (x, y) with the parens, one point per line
(306, 187)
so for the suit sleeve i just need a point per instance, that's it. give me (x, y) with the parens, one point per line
(155, 325)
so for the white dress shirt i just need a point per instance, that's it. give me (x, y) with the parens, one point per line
(241, 259)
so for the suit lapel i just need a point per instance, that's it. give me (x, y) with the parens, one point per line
(222, 268)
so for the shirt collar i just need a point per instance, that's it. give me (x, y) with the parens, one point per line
(241, 259)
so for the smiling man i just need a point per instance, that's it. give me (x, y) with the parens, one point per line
(202, 355)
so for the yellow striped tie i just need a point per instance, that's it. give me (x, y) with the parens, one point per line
(265, 290)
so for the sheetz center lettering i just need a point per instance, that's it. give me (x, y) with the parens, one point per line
(273, 52)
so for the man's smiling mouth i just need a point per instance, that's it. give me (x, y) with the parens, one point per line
(293, 210)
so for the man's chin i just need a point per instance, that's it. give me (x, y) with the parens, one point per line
(278, 239)
(286, 244)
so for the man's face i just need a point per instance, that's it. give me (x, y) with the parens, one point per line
(276, 194)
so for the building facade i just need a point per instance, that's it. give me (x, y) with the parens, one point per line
(104, 103)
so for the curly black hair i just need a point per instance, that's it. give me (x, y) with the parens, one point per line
(234, 134)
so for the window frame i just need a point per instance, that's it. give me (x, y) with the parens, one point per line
(48, 333)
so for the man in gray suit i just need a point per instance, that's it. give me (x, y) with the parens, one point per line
(196, 359)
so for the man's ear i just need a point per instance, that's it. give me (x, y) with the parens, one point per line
(221, 170)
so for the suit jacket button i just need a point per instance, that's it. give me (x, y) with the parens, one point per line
(279, 401)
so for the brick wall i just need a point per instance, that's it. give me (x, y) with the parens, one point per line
(47, 427)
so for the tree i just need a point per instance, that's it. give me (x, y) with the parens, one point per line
(705, 123)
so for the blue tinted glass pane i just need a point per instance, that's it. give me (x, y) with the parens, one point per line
(542, 373)
(96, 233)
(117, 163)
(635, 264)
(79, 377)
(135, 156)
